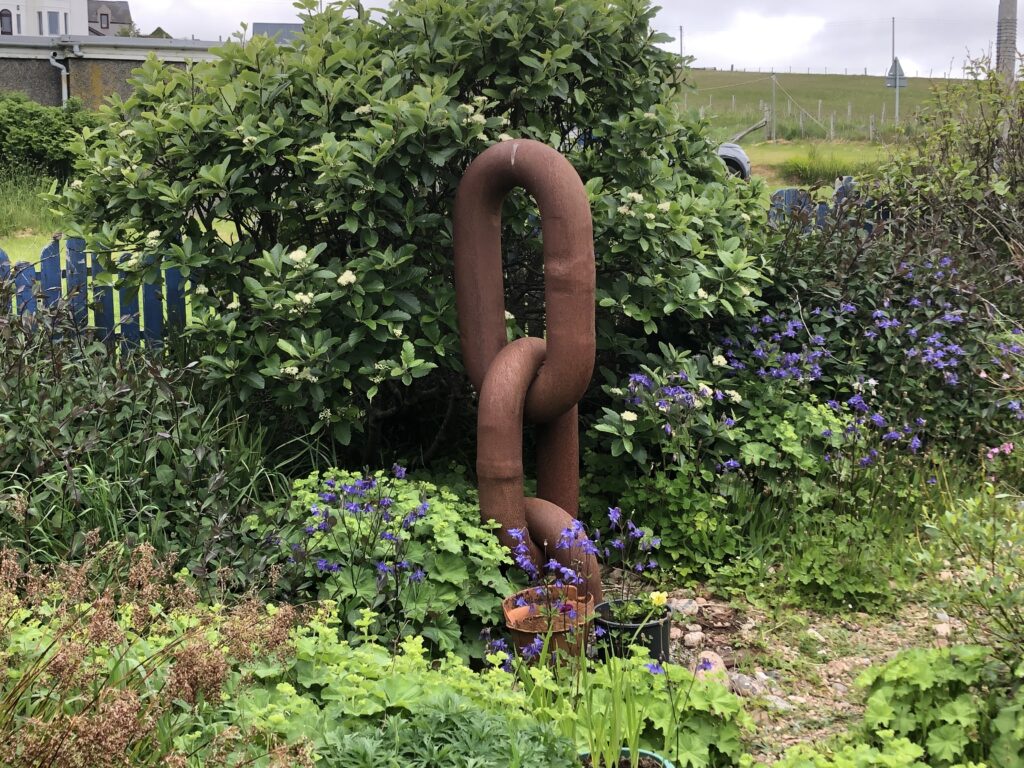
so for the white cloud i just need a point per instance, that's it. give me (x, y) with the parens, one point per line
(753, 39)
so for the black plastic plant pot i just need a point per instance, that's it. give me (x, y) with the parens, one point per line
(615, 637)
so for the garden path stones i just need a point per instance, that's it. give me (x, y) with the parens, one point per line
(745, 685)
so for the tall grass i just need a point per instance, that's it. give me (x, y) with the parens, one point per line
(817, 168)
(22, 211)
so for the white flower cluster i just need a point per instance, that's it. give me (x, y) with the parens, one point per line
(348, 277)
(364, 109)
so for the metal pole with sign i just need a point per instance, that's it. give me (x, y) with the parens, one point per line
(896, 79)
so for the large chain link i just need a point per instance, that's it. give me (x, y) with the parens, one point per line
(541, 380)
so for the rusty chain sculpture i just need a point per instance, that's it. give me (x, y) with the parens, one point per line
(540, 379)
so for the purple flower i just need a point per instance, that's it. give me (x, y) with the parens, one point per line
(398, 471)
(637, 380)
(533, 650)
(704, 665)
(857, 403)
(878, 420)
(892, 437)
(915, 444)
(655, 668)
(614, 515)
(383, 568)
(846, 307)
(730, 465)
(417, 574)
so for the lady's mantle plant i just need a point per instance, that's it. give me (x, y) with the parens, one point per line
(413, 554)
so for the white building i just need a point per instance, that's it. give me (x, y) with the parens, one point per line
(57, 18)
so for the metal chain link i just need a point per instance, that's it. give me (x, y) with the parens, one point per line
(540, 380)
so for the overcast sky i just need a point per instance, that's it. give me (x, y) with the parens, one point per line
(932, 36)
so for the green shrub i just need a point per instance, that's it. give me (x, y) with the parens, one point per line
(977, 539)
(451, 734)
(90, 438)
(412, 555)
(113, 662)
(22, 207)
(952, 702)
(309, 187)
(893, 753)
(735, 457)
(38, 138)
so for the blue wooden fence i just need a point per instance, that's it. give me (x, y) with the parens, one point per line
(76, 283)
(790, 202)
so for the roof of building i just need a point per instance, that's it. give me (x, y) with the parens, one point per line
(119, 11)
(285, 33)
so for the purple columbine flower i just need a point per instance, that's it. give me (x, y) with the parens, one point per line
(533, 650)
(655, 668)
(614, 516)
(398, 471)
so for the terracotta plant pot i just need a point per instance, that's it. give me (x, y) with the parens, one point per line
(617, 636)
(664, 762)
(530, 614)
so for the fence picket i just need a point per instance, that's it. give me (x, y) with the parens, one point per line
(103, 304)
(49, 273)
(152, 316)
(5, 275)
(129, 320)
(24, 280)
(174, 294)
(77, 281)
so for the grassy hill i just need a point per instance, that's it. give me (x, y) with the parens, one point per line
(732, 101)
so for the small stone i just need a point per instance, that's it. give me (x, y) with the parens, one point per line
(765, 679)
(694, 628)
(944, 575)
(710, 663)
(744, 685)
(675, 633)
(684, 606)
(943, 630)
(701, 601)
(815, 635)
(779, 703)
(693, 639)
(942, 616)
(840, 689)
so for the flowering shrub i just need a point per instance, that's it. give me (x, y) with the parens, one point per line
(347, 146)
(414, 554)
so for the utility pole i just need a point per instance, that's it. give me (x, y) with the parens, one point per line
(1006, 39)
(897, 116)
(680, 45)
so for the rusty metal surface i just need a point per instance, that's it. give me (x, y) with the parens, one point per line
(539, 380)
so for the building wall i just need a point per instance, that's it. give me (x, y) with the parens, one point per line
(36, 79)
(98, 67)
(93, 80)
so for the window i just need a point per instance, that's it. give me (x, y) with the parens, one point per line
(53, 22)
(40, 14)
(104, 21)
(6, 27)
(66, 32)
(18, 17)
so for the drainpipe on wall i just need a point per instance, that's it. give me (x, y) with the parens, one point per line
(63, 78)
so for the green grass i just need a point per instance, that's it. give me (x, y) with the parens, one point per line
(811, 163)
(853, 99)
